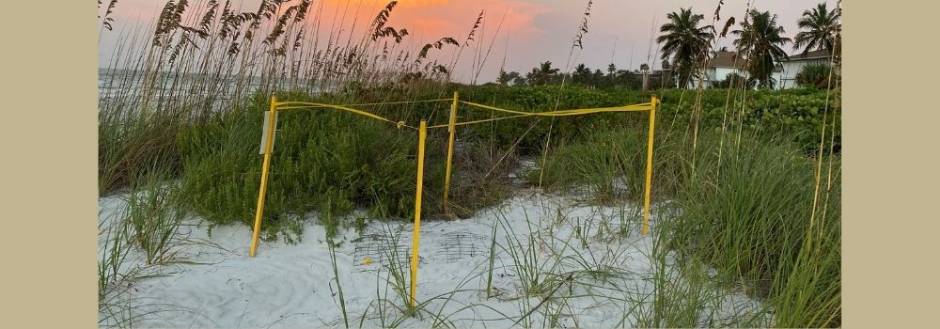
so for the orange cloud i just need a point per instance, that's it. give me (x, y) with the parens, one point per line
(455, 18)
(421, 3)
(382, 3)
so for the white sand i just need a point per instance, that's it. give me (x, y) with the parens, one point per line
(289, 285)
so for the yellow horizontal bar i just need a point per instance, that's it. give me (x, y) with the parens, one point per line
(373, 104)
(305, 105)
(292, 105)
(626, 108)
(478, 121)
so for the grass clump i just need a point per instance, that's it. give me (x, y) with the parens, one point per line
(154, 219)
(603, 162)
(114, 273)
(133, 143)
(751, 220)
(610, 164)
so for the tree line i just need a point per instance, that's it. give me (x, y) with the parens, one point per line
(686, 43)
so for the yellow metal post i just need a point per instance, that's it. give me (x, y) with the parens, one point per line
(451, 128)
(265, 167)
(649, 167)
(416, 234)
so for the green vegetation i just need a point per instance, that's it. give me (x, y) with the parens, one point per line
(329, 159)
(148, 223)
(323, 160)
(332, 163)
(753, 219)
(154, 219)
(814, 76)
(748, 214)
(114, 247)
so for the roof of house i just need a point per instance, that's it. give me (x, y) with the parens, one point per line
(726, 59)
(729, 59)
(811, 55)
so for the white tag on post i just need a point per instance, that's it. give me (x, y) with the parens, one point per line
(265, 131)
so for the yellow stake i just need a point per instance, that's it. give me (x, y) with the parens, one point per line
(649, 167)
(268, 146)
(416, 235)
(451, 128)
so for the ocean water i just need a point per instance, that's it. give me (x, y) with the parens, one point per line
(123, 88)
(120, 82)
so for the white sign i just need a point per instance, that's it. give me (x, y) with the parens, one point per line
(266, 129)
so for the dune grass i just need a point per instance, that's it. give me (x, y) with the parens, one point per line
(752, 222)
(114, 273)
(154, 219)
(746, 216)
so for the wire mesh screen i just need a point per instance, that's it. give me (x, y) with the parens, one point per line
(382, 249)
(460, 245)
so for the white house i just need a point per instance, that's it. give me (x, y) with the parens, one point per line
(722, 64)
(786, 71)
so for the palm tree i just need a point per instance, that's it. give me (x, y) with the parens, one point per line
(507, 78)
(684, 41)
(543, 74)
(820, 29)
(582, 75)
(760, 38)
(611, 77)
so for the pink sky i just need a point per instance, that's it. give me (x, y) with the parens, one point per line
(537, 30)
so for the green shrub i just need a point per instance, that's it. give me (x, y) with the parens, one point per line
(735, 80)
(814, 76)
(322, 159)
(795, 113)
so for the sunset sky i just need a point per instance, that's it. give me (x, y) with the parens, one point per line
(533, 30)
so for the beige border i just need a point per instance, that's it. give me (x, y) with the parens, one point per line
(890, 268)
(49, 57)
(890, 230)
